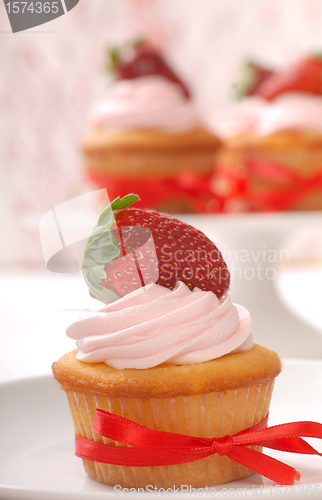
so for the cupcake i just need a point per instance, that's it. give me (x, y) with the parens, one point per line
(272, 153)
(147, 134)
(173, 354)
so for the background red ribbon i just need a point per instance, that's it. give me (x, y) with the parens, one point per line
(285, 187)
(179, 448)
(194, 189)
(292, 185)
(200, 193)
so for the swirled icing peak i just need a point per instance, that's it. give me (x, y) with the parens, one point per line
(290, 111)
(145, 102)
(154, 325)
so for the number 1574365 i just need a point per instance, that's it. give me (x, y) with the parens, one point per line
(32, 7)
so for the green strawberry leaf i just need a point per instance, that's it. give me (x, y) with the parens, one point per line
(114, 54)
(126, 201)
(140, 40)
(246, 79)
(102, 247)
(316, 55)
(93, 276)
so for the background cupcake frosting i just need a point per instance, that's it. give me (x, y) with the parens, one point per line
(204, 40)
(290, 111)
(147, 102)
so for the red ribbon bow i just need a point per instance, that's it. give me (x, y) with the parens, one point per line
(179, 448)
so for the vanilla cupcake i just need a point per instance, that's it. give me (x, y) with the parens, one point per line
(174, 355)
(201, 391)
(276, 148)
(146, 131)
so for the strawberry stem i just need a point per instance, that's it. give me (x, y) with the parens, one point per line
(114, 53)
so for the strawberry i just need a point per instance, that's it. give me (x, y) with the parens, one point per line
(141, 59)
(252, 76)
(304, 76)
(130, 248)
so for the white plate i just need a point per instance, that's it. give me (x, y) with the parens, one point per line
(37, 448)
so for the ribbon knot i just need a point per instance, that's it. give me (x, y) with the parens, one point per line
(147, 447)
(222, 445)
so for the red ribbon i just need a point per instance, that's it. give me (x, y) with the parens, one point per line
(289, 188)
(194, 189)
(150, 447)
(198, 192)
(292, 185)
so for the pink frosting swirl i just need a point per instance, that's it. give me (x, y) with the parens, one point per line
(154, 325)
(290, 111)
(145, 102)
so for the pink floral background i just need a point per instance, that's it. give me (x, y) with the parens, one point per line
(52, 73)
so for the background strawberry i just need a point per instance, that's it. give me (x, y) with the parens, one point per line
(304, 76)
(251, 77)
(138, 59)
(151, 248)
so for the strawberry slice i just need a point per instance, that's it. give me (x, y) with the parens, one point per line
(130, 248)
(139, 59)
(304, 76)
(252, 76)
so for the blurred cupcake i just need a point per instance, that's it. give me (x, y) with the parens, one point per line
(272, 154)
(147, 135)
